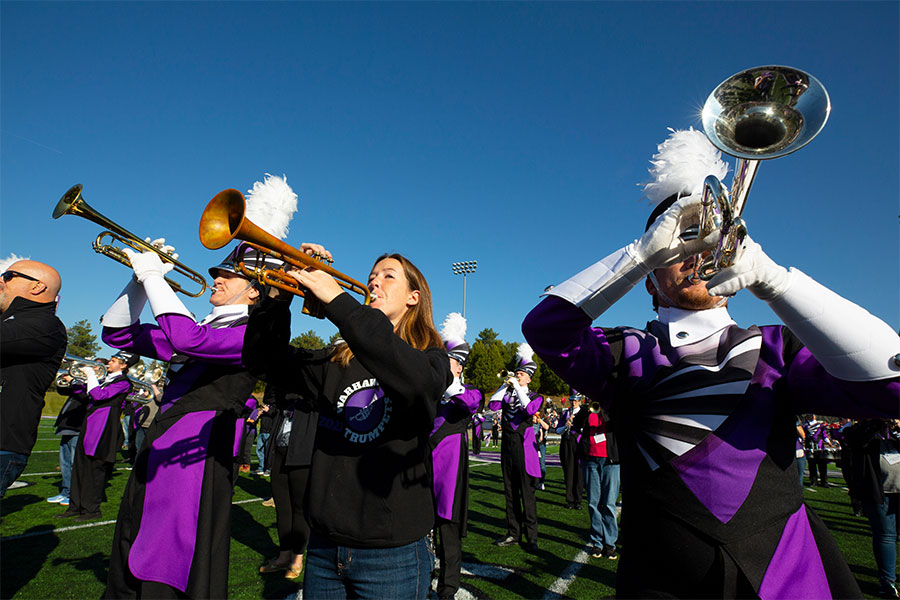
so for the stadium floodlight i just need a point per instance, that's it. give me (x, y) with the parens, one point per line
(464, 268)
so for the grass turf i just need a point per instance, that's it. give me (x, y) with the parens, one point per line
(43, 557)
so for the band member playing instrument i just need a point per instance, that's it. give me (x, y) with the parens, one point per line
(101, 434)
(705, 410)
(477, 432)
(569, 456)
(370, 502)
(450, 457)
(174, 526)
(519, 458)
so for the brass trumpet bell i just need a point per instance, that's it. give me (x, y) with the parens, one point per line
(73, 203)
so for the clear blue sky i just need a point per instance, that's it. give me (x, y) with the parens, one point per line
(511, 134)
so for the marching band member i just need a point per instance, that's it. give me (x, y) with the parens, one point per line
(450, 458)
(568, 452)
(174, 526)
(477, 432)
(519, 459)
(101, 434)
(370, 502)
(705, 410)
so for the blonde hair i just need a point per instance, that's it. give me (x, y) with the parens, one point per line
(416, 326)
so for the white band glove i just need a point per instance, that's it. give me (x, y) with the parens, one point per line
(601, 285)
(755, 271)
(90, 378)
(127, 307)
(662, 246)
(161, 245)
(147, 264)
(456, 388)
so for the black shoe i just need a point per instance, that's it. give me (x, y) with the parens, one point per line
(578, 507)
(596, 552)
(610, 552)
(507, 541)
(87, 517)
(531, 547)
(67, 514)
(570, 506)
(888, 592)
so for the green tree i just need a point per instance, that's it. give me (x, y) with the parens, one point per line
(309, 340)
(334, 338)
(484, 362)
(82, 341)
(550, 383)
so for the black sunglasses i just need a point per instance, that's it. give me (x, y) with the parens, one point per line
(10, 275)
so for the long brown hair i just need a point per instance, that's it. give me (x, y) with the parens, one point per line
(416, 326)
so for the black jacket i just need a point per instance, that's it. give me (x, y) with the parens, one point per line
(32, 346)
(368, 485)
(71, 415)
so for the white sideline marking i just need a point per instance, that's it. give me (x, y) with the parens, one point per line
(87, 525)
(559, 587)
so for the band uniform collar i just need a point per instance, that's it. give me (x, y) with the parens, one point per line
(691, 326)
(226, 314)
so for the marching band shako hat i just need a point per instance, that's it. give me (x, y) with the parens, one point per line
(525, 360)
(453, 333)
(129, 358)
(271, 205)
(680, 166)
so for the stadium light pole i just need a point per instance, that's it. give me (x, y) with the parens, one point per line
(464, 268)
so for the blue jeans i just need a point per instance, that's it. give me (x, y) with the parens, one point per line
(11, 466)
(542, 453)
(67, 445)
(801, 468)
(883, 519)
(602, 482)
(340, 572)
(126, 428)
(261, 440)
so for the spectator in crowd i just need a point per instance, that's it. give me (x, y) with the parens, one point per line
(68, 426)
(267, 414)
(145, 415)
(32, 345)
(872, 451)
(821, 449)
(801, 452)
(495, 430)
(289, 457)
(541, 425)
(601, 477)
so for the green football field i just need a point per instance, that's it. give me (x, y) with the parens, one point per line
(43, 557)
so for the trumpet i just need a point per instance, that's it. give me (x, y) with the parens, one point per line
(594, 407)
(72, 203)
(762, 113)
(507, 376)
(72, 365)
(224, 220)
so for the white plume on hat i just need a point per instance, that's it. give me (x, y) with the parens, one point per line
(524, 354)
(454, 328)
(271, 205)
(12, 258)
(681, 164)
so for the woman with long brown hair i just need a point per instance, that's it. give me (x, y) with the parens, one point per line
(369, 496)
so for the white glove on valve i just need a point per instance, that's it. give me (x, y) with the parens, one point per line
(661, 246)
(147, 264)
(755, 271)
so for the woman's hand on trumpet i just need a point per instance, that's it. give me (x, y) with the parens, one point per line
(320, 284)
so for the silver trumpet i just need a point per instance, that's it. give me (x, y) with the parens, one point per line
(758, 114)
(141, 391)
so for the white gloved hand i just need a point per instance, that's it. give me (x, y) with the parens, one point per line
(90, 378)
(147, 264)
(753, 270)
(661, 246)
(160, 244)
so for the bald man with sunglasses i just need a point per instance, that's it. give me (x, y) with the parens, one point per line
(32, 345)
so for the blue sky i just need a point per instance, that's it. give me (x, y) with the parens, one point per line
(511, 134)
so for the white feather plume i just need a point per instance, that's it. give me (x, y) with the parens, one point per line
(12, 258)
(454, 328)
(524, 353)
(271, 204)
(681, 164)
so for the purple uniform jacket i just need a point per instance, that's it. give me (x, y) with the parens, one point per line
(180, 504)
(517, 421)
(449, 457)
(101, 432)
(710, 437)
